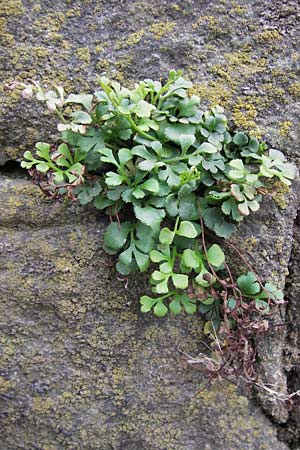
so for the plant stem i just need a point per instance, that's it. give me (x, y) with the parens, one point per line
(60, 115)
(138, 130)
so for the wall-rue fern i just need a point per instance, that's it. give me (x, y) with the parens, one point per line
(164, 171)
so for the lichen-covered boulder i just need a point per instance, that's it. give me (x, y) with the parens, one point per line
(242, 55)
(81, 368)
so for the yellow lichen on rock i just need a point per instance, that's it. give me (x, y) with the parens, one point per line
(11, 7)
(268, 36)
(83, 53)
(285, 127)
(294, 89)
(244, 113)
(213, 92)
(134, 38)
(161, 29)
(279, 192)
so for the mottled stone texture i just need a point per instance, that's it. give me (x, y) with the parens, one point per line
(81, 368)
(243, 55)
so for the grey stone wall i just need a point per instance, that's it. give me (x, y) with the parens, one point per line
(81, 368)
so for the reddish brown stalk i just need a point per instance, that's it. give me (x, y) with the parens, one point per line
(248, 265)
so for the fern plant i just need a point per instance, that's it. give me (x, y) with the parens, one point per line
(165, 172)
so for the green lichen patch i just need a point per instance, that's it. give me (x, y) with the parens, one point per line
(161, 29)
(269, 36)
(83, 54)
(135, 37)
(285, 127)
(280, 194)
(11, 8)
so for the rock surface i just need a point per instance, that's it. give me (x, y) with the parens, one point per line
(80, 367)
(243, 55)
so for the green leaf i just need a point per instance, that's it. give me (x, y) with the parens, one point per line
(186, 141)
(235, 191)
(86, 193)
(157, 146)
(63, 149)
(175, 306)
(43, 150)
(143, 109)
(124, 269)
(166, 236)
(214, 220)
(62, 162)
(190, 259)
(168, 174)
(102, 203)
(162, 288)
(207, 305)
(157, 256)
(148, 215)
(166, 267)
(137, 193)
(108, 156)
(147, 303)
(115, 236)
(276, 155)
(206, 147)
(224, 229)
(58, 178)
(126, 256)
(181, 134)
(243, 209)
(215, 255)
(150, 185)
(160, 310)
(145, 124)
(171, 205)
(143, 231)
(113, 179)
(158, 276)
(240, 139)
(147, 165)
(142, 260)
(195, 160)
(238, 172)
(272, 292)
(187, 207)
(204, 278)
(146, 243)
(248, 284)
(237, 164)
(28, 155)
(231, 303)
(187, 229)
(42, 167)
(81, 117)
(214, 164)
(81, 99)
(208, 328)
(187, 303)
(180, 281)
(124, 155)
(230, 208)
